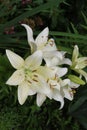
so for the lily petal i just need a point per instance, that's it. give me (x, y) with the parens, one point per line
(81, 63)
(52, 58)
(29, 30)
(83, 73)
(74, 85)
(58, 97)
(42, 37)
(16, 78)
(40, 99)
(34, 61)
(68, 92)
(29, 33)
(23, 92)
(61, 71)
(46, 72)
(30, 37)
(52, 62)
(41, 86)
(65, 61)
(16, 61)
(65, 82)
(52, 54)
(31, 91)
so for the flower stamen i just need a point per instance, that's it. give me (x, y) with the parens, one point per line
(35, 80)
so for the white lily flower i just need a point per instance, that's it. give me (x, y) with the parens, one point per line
(78, 63)
(50, 53)
(59, 89)
(53, 81)
(26, 75)
(48, 47)
(41, 42)
(52, 78)
(56, 92)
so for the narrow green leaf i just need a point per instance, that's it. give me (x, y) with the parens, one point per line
(30, 13)
(77, 104)
(85, 18)
(74, 29)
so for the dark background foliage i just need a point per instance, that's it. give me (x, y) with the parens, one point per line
(67, 21)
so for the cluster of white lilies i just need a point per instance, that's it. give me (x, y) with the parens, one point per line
(46, 80)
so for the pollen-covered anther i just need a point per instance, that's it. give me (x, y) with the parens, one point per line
(29, 81)
(52, 44)
(35, 80)
(35, 75)
(34, 70)
(85, 61)
(74, 91)
(52, 86)
(56, 77)
(47, 80)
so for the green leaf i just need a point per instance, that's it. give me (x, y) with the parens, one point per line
(78, 109)
(85, 18)
(74, 29)
(77, 104)
(48, 5)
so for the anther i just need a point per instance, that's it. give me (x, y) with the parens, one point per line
(29, 82)
(35, 75)
(34, 70)
(52, 44)
(35, 80)
(47, 80)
